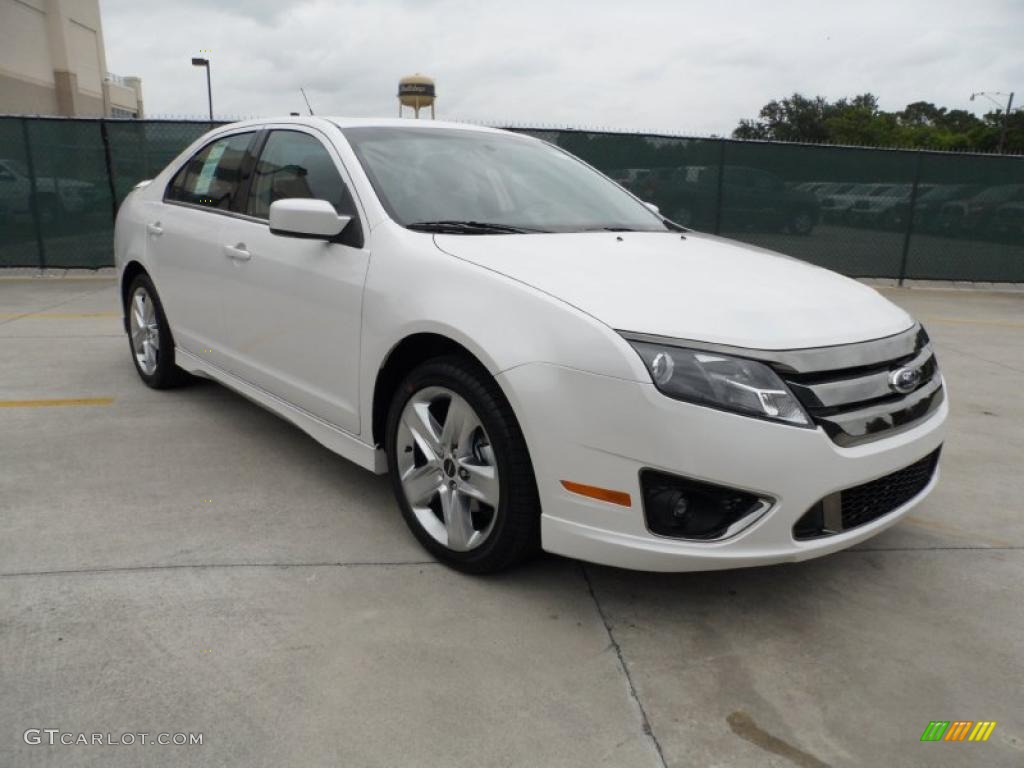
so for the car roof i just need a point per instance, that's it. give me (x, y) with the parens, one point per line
(363, 122)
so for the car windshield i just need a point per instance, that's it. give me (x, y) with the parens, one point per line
(450, 177)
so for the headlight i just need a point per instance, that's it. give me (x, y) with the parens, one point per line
(721, 381)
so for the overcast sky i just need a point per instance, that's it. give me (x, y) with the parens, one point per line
(673, 65)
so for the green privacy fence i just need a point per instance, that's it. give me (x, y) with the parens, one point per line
(62, 179)
(863, 212)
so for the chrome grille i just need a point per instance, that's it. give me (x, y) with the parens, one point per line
(845, 388)
(856, 402)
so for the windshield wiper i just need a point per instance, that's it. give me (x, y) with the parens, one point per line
(453, 227)
(670, 225)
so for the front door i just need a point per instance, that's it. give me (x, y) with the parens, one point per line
(292, 312)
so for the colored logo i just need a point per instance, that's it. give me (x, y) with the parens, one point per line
(958, 730)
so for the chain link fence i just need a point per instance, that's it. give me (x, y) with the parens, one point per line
(61, 180)
(863, 212)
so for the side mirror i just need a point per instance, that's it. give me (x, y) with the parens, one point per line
(653, 208)
(305, 217)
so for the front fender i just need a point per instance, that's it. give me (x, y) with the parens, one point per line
(413, 287)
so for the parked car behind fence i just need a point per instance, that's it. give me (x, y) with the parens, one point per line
(53, 194)
(974, 216)
(751, 198)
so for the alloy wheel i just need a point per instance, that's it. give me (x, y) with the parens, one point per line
(145, 331)
(447, 468)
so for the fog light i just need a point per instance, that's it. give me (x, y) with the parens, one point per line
(690, 509)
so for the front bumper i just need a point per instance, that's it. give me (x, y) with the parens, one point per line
(602, 431)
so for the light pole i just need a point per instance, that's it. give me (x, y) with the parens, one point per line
(197, 62)
(1006, 113)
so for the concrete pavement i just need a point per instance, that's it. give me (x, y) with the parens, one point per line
(186, 562)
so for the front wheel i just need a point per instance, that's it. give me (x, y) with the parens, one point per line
(460, 469)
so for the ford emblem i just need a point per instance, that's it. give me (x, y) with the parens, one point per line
(904, 380)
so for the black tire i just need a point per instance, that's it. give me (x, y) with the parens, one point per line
(515, 535)
(167, 374)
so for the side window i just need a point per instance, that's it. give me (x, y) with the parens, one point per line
(214, 175)
(295, 164)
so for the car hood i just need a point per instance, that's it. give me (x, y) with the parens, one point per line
(694, 287)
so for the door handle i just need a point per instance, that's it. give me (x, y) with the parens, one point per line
(237, 252)
(155, 228)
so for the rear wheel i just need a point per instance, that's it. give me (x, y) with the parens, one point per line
(460, 469)
(150, 338)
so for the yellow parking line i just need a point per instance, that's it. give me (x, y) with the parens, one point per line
(59, 315)
(56, 401)
(967, 321)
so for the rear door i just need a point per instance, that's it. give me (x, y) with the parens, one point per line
(293, 309)
(183, 240)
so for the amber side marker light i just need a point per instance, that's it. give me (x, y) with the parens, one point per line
(601, 494)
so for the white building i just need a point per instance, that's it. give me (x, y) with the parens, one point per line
(53, 62)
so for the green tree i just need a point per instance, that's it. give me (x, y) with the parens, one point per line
(796, 118)
(859, 120)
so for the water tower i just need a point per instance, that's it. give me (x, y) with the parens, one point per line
(416, 91)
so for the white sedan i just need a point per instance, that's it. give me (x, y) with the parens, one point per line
(535, 356)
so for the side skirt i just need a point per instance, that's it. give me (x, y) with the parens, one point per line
(343, 443)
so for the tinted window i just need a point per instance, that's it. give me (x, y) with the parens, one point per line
(295, 164)
(214, 175)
